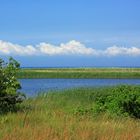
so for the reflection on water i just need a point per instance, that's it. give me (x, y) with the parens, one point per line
(32, 86)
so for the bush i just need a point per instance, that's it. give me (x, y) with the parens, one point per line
(122, 100)
(9, 97)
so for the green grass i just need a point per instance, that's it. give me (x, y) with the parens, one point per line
(80, 73)
(67, 115)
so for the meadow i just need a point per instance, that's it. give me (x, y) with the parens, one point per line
(73, 114)
(79, 73)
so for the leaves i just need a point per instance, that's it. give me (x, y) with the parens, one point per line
(124, 100)
(9, 85)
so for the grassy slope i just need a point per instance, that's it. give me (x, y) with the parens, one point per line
(80, 73)
(53, 117)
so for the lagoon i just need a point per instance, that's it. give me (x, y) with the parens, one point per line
(32, 87)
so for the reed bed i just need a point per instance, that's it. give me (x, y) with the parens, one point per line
(80, 73)
(53, 116)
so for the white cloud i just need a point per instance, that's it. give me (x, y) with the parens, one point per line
(8, 48)
(115, 51)
(70, 48)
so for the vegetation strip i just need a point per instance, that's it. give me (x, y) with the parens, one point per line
(80, 73)
(84, 113)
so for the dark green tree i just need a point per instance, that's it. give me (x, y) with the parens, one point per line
(9, 86)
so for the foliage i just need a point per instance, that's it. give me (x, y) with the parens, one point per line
(9, 97)
(48, 120)
(69, 114)
(122, 100)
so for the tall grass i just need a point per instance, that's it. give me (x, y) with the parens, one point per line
(57, 116)
(80, 73)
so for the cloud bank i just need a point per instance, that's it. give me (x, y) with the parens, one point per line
(70, 48)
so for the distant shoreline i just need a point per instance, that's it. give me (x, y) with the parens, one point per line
(79, 73)
(80, 67)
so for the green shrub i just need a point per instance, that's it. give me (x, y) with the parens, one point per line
(122, 100)
(9, 97)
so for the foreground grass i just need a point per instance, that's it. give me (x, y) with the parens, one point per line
(60, 116)
(80, 73)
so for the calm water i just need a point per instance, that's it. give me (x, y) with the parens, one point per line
(32, 86)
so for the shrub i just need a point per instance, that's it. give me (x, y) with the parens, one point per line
(123, 100)
(9, 97)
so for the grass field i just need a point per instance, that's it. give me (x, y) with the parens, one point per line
(65, 115)
(80, 73)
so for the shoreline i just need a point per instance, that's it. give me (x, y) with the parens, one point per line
(77, 73)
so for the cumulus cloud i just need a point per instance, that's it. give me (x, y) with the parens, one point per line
(70, 48)
(115, 50)
(8, 48)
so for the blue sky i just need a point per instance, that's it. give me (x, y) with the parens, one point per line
(98, 32)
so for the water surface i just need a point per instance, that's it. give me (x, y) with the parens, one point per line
(33, 86)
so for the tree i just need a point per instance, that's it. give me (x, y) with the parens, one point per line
(9, 86)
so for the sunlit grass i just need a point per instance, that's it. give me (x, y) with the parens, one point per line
(52, 117)
(80, 73)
